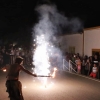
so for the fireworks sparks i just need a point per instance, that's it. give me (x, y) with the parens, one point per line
(41, 59)
(54, 73)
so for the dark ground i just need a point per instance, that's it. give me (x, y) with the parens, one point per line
(65, 86)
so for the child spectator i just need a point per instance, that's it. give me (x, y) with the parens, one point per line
(78, 63)
(94, 71)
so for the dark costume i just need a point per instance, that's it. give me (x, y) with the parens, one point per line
(14, 86)
(14, 89)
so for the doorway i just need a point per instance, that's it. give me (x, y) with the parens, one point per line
(95, 51)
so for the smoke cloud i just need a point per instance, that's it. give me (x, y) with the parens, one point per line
(58, 23)
(50, 24)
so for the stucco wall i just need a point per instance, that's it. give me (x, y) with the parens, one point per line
(75, 40)
(91, 40)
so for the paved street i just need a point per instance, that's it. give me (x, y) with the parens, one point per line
(65, 86)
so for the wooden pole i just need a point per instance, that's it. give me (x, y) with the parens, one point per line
(83, 45)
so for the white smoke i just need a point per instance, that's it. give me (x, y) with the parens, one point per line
(51, 22)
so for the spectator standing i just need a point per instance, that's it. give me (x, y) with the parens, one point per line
(94, 71)
(78, 63)
(83, 66)
(22, 54)
(16, 52)
(87, 67)
(12, 55)
(96, 61)
(1, 59)
(7, 56)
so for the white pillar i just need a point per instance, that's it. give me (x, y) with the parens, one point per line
(63, 64)
(69, 65)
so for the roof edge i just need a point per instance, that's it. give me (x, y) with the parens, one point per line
(91, 28)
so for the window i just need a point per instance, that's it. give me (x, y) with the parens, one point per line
(71, 49)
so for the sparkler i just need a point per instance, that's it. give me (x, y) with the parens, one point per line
(52, 75)
(43, 76)
(41, 59)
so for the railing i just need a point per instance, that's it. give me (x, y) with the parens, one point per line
(69, 66)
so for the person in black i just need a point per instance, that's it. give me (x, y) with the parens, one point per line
(14, 86)
(87, 67)
(96, 60)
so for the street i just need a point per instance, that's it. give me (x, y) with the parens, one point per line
(65, 86)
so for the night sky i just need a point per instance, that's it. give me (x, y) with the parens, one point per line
(17, 17)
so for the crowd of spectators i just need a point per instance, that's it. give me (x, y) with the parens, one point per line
(8, 53)
(86, 65)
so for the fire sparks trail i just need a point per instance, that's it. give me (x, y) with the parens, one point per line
(54, 73)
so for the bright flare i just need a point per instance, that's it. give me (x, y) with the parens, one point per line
(4, 70)
(54, 73)
(41, 58)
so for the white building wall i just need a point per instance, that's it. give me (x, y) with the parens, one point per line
(91, 40)
(74, 40)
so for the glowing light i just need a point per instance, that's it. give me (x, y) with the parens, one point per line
(41, 58)
(33, 69)
(4, 70)
(24, 86)
(54, 73)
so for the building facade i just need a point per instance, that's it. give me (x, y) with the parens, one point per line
(86, 43)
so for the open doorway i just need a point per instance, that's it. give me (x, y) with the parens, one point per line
(95, 51)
